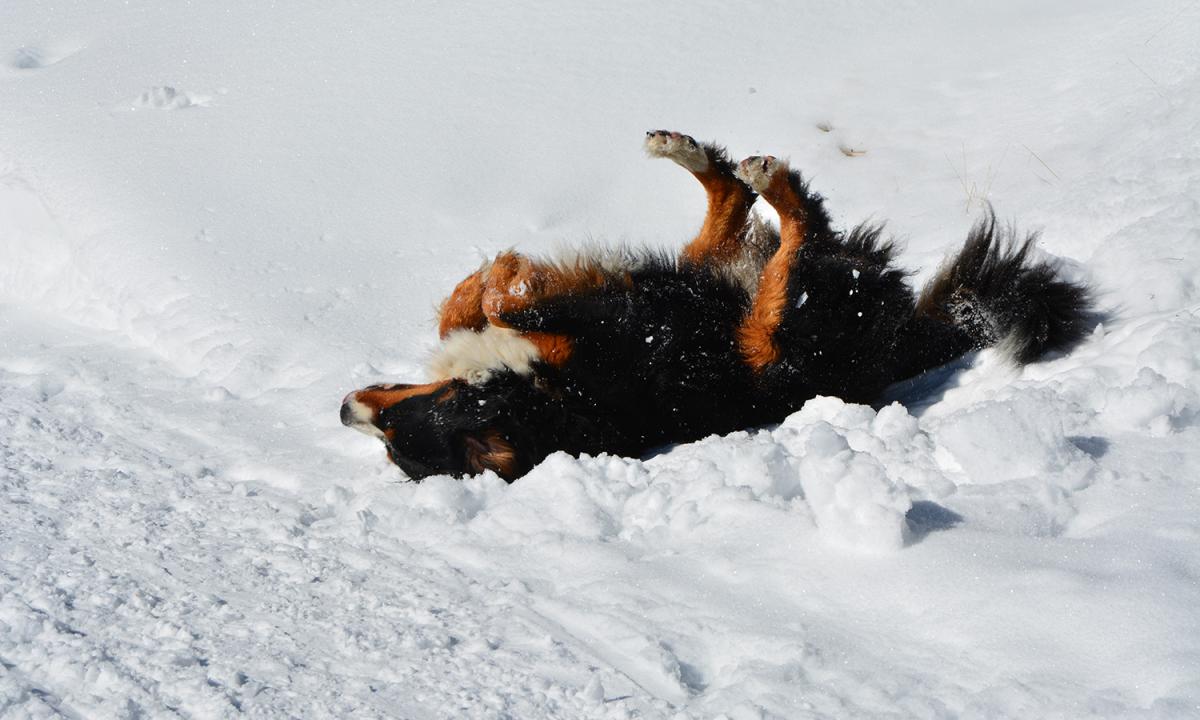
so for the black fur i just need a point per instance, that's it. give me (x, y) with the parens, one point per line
(993, 293)
(659, 357)
(656, 360)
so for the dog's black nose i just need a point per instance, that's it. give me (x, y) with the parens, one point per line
(347, 414)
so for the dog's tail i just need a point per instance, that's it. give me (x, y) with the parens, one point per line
(992, 294)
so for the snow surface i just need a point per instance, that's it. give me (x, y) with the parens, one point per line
(216, 218)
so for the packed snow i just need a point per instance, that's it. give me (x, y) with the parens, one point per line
(217, 218)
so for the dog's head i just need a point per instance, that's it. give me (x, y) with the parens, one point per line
(456, 428)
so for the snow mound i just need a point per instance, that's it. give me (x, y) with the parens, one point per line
(43, 55)
(833, 470)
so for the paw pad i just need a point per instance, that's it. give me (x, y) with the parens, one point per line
(680, 148)
(757, 171)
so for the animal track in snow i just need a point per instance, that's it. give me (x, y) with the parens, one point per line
(165, 97)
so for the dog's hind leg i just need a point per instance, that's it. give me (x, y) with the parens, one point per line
(509, 284)
(515, 287)
(802, 220)
(510, 291)
(726, 224)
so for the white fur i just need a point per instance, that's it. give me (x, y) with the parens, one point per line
(362, 417)
(614, 259)
(474, 356)
(757, 245)
(758, 171)
(681, 149)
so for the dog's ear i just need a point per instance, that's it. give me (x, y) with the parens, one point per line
(488, 450)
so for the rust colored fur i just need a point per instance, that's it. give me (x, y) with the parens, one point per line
(378, 397)
(463, 310)
(756, 334)
(720, 237)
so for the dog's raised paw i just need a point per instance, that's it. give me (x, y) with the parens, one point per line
(680, 148)
(757, 171)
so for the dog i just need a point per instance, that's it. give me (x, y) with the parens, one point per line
(624, 351)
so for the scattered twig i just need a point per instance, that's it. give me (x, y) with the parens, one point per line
(962, 180)
(1168, 23)
(851, 152)
(1157, 87)
(972, 191)
(992, 172)
(1043, 162)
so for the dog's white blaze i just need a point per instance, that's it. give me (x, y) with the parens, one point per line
(362, 417)
(474, 356)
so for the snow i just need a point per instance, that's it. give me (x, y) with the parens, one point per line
(218, 218)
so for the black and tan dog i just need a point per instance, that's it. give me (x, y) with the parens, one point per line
(623, 351)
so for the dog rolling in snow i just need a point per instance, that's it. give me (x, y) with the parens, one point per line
(623, 351)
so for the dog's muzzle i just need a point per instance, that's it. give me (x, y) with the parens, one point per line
(359, 416)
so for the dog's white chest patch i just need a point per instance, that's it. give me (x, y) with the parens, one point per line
(474, 356)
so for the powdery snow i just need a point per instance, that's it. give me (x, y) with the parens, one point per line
(217, 218)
